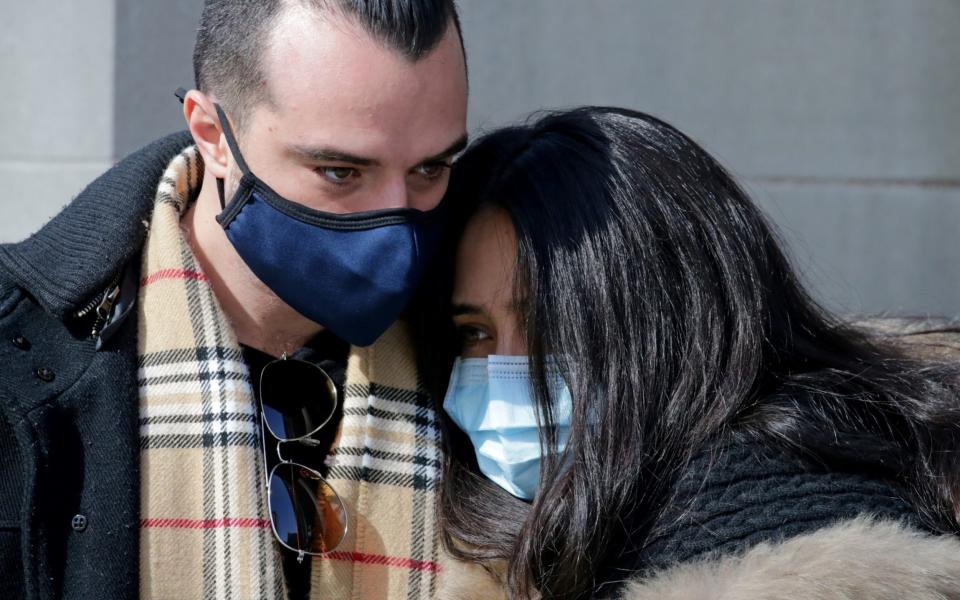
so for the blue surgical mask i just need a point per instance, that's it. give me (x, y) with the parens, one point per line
(491, 400)
(352, 273)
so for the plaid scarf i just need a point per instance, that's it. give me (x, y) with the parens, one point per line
(205, 530)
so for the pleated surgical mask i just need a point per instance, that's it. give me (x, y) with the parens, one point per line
(491, 399)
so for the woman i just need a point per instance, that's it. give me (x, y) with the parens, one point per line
(662, 411)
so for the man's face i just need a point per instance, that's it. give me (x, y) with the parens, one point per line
(354, 125)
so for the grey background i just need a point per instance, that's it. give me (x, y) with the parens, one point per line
(841, 118)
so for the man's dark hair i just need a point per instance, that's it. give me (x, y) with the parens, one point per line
(231, 41)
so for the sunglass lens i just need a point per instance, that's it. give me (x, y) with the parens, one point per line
(307, 513)
(298, 397)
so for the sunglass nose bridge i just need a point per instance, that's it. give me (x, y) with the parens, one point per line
(307, 441)
(280, 453)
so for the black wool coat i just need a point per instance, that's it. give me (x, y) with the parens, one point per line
(69, 449)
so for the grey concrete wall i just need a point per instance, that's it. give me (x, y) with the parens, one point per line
(56, 109)
(150, 67)
(841, 118)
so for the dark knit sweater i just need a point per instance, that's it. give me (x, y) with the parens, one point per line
(734, 497)
(747, 494)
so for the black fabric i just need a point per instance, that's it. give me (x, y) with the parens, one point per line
(734, 497)
(753, 494)
(77, 444)
(330, 354)
(11, 487)
(11, 477)
(70, 439)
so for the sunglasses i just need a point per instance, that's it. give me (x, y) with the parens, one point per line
(306, 514)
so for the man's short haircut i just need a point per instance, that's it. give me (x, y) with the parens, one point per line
(233, 34)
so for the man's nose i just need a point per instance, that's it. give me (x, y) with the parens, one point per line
(395, 193)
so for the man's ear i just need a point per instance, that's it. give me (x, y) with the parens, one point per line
(207, 133)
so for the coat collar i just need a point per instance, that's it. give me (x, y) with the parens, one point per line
(79, 252)
(861, 559)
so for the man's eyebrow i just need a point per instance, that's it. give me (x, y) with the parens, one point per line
(465, 309)
(452, 149)
(324, 154)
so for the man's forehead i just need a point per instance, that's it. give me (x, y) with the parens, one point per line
(331, 55)
(334, 87)
(302, 35)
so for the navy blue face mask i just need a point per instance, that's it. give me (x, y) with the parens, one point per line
(352, 273)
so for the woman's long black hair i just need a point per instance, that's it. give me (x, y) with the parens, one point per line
(664, 295)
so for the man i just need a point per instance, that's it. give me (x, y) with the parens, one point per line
(137, 323)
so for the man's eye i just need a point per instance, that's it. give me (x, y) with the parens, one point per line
(432, 170)
(338, 175)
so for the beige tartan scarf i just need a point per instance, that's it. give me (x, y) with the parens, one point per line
(205, 531)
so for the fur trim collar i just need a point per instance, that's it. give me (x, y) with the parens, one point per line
(859, 559)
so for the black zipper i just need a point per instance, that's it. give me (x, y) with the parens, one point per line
(102, 304)
(103, 310)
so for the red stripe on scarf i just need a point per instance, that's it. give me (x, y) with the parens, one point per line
(206, 523)
(360, 557)
(172, 274)
(379, 559)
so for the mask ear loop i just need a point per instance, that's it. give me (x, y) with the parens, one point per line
(181, 95)
(220, 193)
(234, 149)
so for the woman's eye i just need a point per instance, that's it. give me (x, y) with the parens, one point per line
(471, 335)
(338, 175)
(432, 170)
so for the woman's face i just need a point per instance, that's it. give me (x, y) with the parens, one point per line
(484, 309)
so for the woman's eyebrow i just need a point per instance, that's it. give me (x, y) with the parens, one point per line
(465, 309)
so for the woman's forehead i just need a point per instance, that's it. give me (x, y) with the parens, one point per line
(486, 261)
